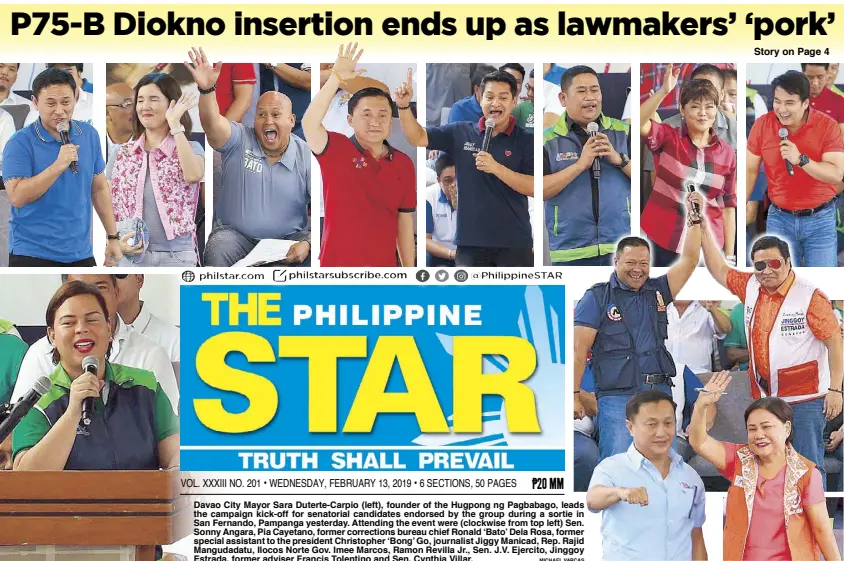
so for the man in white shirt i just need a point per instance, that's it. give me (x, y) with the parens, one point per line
(693, 327)
(8, 77)
(129, 348)
(441, 215)
(137, 317)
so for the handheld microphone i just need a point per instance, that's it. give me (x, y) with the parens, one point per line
(690, 187)
(489, 124)
(22, 407)
(592, 129)
(783, 132)
(64, 130)
(92, 365)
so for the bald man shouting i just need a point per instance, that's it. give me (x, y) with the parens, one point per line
(266, 176)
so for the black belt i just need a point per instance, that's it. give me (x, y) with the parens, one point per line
(657, 379)
(808, 211)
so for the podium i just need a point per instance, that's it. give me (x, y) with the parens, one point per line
(139, 509)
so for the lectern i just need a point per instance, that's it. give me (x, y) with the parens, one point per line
(93, 508)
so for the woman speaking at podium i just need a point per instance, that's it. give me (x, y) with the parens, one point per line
(131, 424)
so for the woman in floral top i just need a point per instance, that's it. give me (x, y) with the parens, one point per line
(156, 177)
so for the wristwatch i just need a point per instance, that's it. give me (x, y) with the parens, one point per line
(625, 159)
(804, 159)
(112, 236)
(176, 131)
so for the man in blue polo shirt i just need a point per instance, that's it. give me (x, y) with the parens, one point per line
(469, 108)
(266, 179)
(52, 185)
(624, 323)
(586, 209)
(652, 503)
(441, 219)
(493, 225)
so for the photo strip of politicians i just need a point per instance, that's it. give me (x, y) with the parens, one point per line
(435, 301)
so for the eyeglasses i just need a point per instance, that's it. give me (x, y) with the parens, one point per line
(123, 105)
(774, 264)
(448, 181)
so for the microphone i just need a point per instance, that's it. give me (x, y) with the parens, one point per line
(592, 129)
(92, 365)
(690, 187)
(22, 407)
(489, 125)
(783, 132)
(64, 129)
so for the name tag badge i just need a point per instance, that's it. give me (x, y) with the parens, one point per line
(566, 156)
(739, 482)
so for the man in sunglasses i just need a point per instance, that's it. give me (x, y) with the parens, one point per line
(793, 339)
(624, 323)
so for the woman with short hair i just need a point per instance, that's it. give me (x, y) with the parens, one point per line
(132, 425)
(775, 505)
(691, 157)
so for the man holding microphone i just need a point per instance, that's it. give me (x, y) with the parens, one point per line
(803, 152)
(624, 323)
(586, 183)
(494, 163)
(53, 172)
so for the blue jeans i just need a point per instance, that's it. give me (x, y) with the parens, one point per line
(585, 460)
(808, 432)
(813, 239)
(613, 436)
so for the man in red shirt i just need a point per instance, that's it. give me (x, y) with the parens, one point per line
(822, 98)
(804, 171)
(234, 90)
(369, 188)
